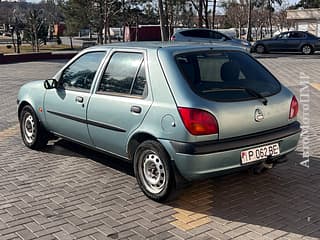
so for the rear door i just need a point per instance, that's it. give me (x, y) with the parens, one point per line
(294, 42)
(120, 101)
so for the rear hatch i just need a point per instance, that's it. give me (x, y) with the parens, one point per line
(238, 91)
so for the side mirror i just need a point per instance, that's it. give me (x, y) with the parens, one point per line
(50, 83)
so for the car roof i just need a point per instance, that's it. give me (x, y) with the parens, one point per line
(192, 29)
(294, 31)
(167, 45)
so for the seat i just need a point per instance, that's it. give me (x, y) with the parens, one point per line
(188, 69)
(229, 72)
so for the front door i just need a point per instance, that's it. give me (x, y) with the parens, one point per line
(279, 43)
(65, 106)
(120, 102)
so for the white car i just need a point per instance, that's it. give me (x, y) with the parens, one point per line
(209, 36)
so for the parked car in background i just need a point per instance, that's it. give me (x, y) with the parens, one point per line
(292, 41)
(177, 111)
(208, 35)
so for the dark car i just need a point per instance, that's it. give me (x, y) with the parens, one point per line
(293, 41)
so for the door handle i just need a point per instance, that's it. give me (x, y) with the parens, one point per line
(135, 109)
(79, 99)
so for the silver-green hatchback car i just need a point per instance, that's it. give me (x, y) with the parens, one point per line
(178, 111)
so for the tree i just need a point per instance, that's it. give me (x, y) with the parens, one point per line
(271, 10)
(307, 4)
(236, 14)
(36, 28)
(75, 17)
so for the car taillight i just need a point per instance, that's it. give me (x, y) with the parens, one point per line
(198, 122)
(294, 107)
(173, 38)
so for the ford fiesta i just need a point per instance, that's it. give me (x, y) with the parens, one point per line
(176, 111)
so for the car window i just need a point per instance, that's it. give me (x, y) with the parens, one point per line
(225, 76)
(124, 75)
(190, 33)
(297, 35)
(196, 33)
(139, 85)
(283, 36)
(216, 35)
(80, 74)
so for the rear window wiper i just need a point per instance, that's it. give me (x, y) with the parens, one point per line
(248, 90)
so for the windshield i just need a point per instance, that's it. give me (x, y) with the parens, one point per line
(226, 76)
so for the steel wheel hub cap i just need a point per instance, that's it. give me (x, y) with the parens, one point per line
(153, 172)
(29, 129)
(306, 49)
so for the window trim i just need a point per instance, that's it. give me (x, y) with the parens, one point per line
(224, 100)
(72, 61)
(105, 65)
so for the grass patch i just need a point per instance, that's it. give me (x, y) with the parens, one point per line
(26, 48)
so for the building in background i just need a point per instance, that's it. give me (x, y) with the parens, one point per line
(305, 20)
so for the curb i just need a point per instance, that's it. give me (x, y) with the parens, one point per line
(28, 57)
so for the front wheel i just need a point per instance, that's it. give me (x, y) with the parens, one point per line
(153, 171)
(33, 134)
(260, 49)
(307, 49)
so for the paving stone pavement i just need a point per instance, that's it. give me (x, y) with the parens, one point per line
(68, 192)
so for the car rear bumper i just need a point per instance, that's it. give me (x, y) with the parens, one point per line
(205, 159)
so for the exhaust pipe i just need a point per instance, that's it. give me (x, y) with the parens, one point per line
(269, 163)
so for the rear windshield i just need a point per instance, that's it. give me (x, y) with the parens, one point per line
(226, 76)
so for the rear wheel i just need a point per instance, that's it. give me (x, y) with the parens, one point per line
(153, 171)
(260, 48)
(307, 49)
(33, 134)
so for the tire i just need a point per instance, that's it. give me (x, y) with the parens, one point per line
(307, 49)
(33, 134)
(153, 171)
(260, 48)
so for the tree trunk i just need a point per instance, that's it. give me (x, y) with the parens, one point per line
(18, 41)
(200, 10)
(13, 42)
(214, 12)
(206, 15)
(270, 17)
(164, 35)
(71, 42)
(249, 38)
(105, 20)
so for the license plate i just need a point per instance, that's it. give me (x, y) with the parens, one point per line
(259, 153)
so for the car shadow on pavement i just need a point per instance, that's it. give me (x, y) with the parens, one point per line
(66, 148)
(284, 198)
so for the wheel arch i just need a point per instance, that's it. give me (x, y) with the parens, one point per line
(136, 140)
(22, 104)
